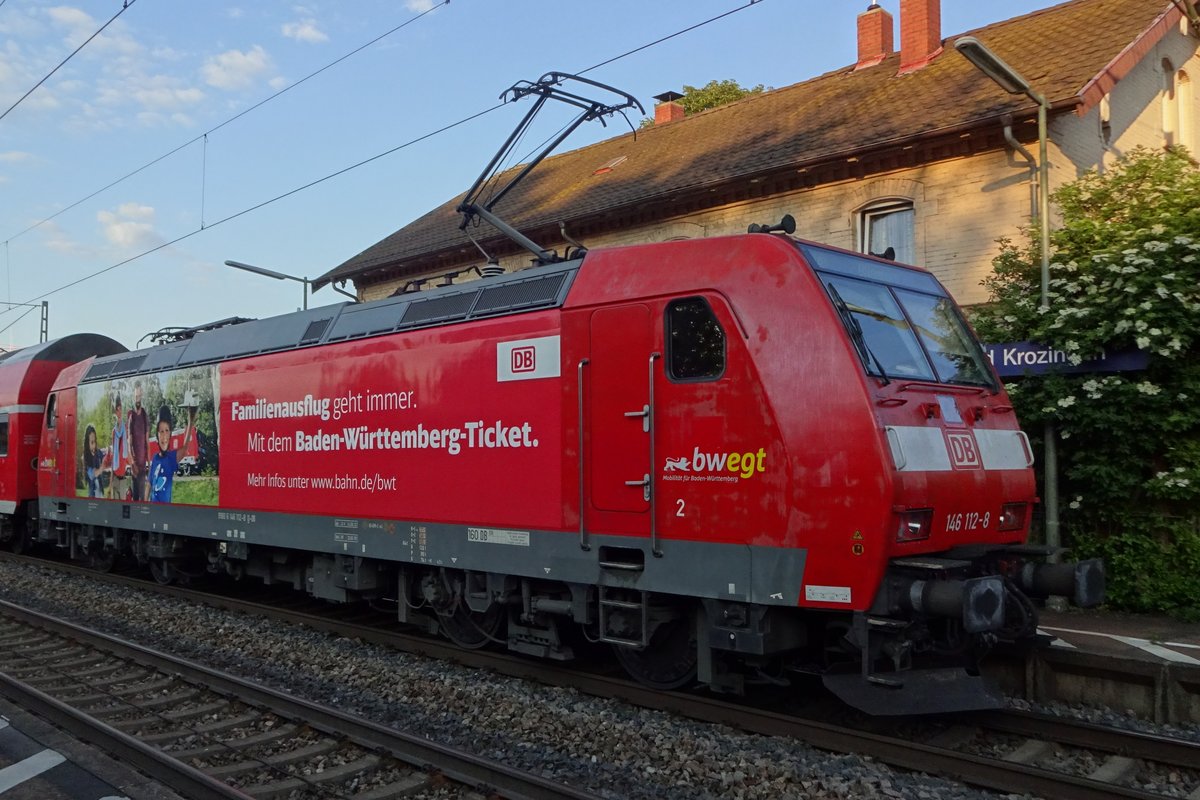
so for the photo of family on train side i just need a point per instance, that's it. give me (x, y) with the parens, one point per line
(150, 438)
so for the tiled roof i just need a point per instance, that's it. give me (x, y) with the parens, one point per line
(1059, 50)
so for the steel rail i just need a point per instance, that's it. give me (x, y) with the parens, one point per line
(1135, 744)
(457, 765)
(977, 770)
(177, 775)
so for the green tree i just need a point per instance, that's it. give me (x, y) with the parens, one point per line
(1125, 273)
(714, 93)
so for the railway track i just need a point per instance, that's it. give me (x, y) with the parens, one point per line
(1007, 751)
(207, 734)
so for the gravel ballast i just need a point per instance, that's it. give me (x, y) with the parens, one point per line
(606, 746)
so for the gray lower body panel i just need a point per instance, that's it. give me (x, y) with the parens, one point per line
(762, 575)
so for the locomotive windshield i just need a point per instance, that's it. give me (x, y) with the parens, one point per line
(901, 321)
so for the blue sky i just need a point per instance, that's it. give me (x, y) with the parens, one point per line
(166, 72)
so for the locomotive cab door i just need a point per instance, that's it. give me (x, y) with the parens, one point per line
(54, 473)
(619, 424)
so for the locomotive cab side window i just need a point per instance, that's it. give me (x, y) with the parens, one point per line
(3, 434)
(51, 411)
(695, 341)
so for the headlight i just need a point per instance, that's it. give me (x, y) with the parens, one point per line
(1012, 516)
(914, 525)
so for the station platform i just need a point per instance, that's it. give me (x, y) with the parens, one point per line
(1143, 637)
(41, 762)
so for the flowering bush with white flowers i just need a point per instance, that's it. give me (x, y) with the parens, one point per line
(1125, 273)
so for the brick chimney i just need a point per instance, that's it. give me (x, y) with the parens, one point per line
(920, 33)
(875, 36)
(669, 109)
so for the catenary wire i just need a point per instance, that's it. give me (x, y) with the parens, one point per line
(15, 321)
(20, 100)
(344, 170)
(670, 36)
(234, 118)
(265, 203)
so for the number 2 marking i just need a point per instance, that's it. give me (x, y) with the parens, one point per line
(679, 511)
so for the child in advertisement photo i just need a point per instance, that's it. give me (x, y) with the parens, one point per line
(165, 461)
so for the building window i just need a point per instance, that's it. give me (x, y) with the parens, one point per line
(695, 341)
(888, 225)
(1178, 109)
(1186, 101)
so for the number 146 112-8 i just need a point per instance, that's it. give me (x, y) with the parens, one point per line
(968, 521)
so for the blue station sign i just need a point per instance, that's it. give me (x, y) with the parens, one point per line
(1014, 359)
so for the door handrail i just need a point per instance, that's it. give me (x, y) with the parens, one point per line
(583, 534)
(654, 548)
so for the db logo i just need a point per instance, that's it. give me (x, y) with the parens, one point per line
(524, 359)
(964, 454)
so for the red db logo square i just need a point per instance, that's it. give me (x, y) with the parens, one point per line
(524, 359)
(964, 453)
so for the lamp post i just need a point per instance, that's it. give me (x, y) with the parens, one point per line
(270, 273)
(1013, 82)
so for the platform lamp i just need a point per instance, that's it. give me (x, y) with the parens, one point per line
(1013, 82)
(270, 273)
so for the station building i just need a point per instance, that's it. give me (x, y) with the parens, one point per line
(909, 147)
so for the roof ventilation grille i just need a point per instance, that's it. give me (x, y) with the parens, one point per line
(315, 330)
(512, 296)
(438, 309)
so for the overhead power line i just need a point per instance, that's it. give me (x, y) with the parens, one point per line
(688, 29)
(347, 169)
(18, 319)
(215, 128)
(125, 6)
(265, 203)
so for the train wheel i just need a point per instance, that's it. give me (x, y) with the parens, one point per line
(102, 560)
(21, 543)
(472, 629)
(163, 571)
(669, 661)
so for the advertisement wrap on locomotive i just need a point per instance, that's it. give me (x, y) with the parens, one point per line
(734, 459)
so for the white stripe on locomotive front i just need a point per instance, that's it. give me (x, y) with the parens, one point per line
(920, 449)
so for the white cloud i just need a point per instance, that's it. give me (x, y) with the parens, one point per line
(80, 25)
(418, 6)
(234, 13)
(135, 211)
(164, 97)
(234, 69)
(59, 241)
(149, 100)
(15, 156)
(153, 119)
(305, 30)
(72, 17)
(130, 226)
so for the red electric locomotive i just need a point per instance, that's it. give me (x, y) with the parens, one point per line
(727, 457)
(730, 458)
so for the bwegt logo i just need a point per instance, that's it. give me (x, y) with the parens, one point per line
(744, 464)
